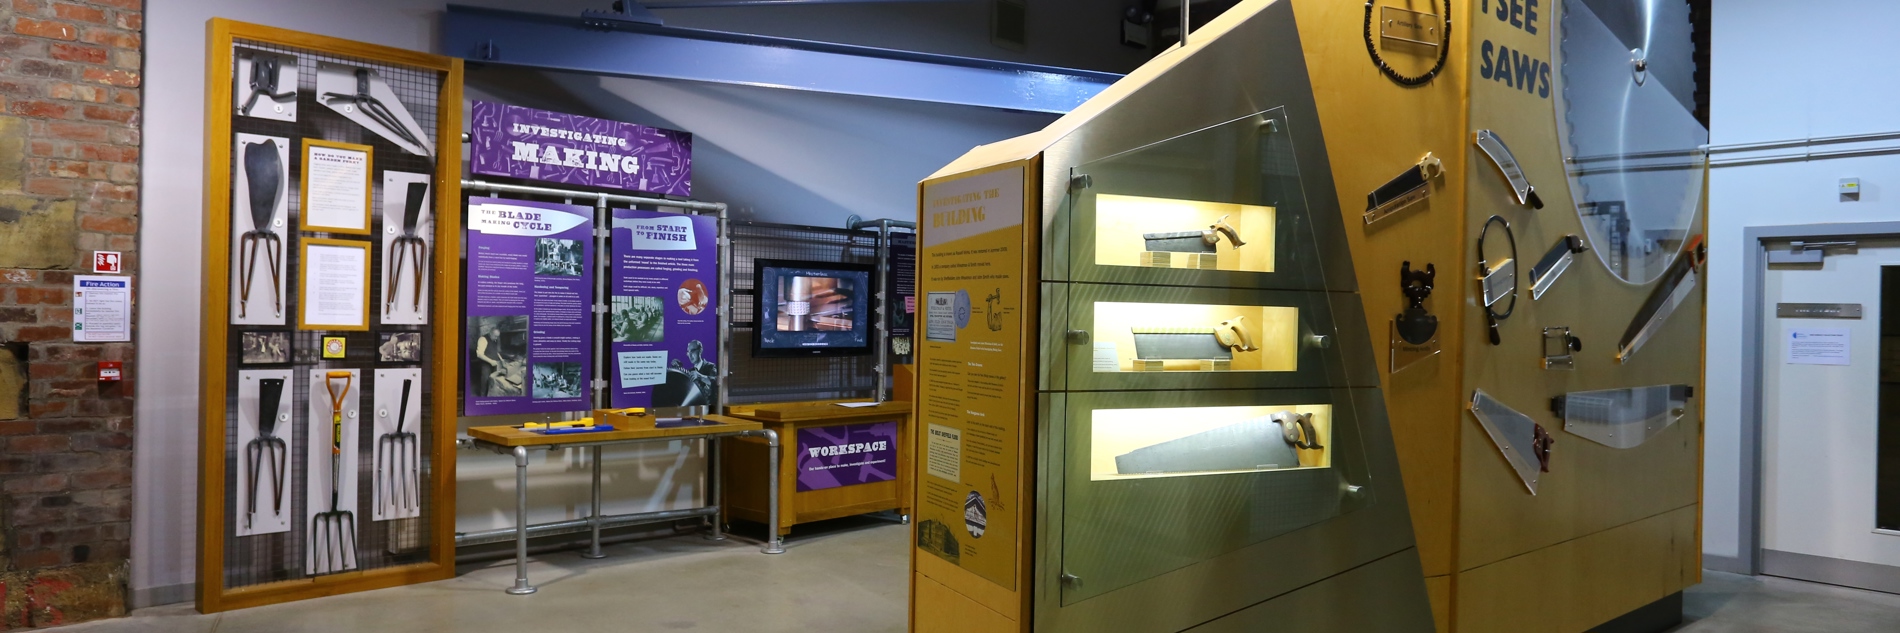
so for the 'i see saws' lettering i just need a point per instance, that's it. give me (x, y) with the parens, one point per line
(1516, 69)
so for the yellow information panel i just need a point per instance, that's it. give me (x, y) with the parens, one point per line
(970, 278)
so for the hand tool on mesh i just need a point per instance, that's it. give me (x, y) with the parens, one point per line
(264, 172)
(396, 465)
(264, 83)
(333, 532)
(407, 244)
(267, 448)
(373, 108)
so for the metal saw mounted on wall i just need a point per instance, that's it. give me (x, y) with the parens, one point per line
(1630, 128)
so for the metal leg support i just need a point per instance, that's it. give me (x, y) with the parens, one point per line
(593, 521)
(521, 587)
(714, 490)
(774, 544)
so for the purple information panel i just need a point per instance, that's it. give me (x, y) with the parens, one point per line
(520, 142)
(664, 310)
(901, 283)
(846, 455)
(530, 280)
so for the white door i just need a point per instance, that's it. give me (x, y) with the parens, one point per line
(1826, 516)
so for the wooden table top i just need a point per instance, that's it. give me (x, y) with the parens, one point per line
(510, 436)
(816, 411)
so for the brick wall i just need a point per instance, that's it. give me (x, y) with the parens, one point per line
(69, 170)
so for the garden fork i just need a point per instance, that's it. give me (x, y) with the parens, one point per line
(374, 108)
(267, 448)
(334, 532)
(407, 244)
(396, 462)
(264, 83)
(264, 171)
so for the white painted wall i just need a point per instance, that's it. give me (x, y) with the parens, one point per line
(1783, 71)
(777, 156)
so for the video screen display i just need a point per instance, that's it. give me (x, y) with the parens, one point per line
(812, 308)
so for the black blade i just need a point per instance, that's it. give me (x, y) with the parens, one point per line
(270, 391)
(264, 172)
(412, 207)
(402, 413)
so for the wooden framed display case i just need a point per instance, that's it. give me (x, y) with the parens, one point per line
(361, 443)
(830, 463)
(1337, 199)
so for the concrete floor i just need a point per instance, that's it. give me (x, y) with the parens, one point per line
(843, 576)
(1728, 603)
(846, 576)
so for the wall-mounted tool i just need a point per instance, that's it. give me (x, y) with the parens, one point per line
(1414, 29)
(1499, 277)
(1524, 443)
(1622, 418)
(1409, 187)
(397, 467)
(407, 248)
(360, 95)
(1500, 155)
(265, 70)
(1414, 331)
(1675, 286)
(1553, 264)
(333, 532)
(267, 449)
(1560, 347)
(264, 175)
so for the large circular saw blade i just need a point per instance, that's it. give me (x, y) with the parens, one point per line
(1633, 148)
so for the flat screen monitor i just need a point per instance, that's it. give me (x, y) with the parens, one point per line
(811, 308)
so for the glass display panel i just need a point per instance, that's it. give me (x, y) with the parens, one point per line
(1195, 337)
(1197, 495)
(1178, 442)
(1221, 206)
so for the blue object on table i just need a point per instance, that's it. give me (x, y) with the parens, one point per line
(577, 429)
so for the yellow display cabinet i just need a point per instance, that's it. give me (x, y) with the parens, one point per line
(1279, 333)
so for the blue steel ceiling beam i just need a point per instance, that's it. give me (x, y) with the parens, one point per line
(639, 50)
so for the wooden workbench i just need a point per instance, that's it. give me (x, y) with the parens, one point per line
(742, 464)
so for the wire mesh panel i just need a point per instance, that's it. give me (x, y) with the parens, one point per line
(255, 559)
(782, 379)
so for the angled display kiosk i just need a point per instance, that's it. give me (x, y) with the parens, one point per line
(1179, 347)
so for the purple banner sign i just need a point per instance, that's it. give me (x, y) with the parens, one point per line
(846, 455)
(664, 310)
(519, 142)
(529, 336)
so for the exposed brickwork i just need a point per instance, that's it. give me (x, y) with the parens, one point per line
(70, 73)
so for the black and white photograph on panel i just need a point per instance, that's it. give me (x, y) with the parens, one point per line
(557, 257)
(400, 347)
(693, 382)
(264, 348)
(498, 355)
(555, 381)
(638, 319)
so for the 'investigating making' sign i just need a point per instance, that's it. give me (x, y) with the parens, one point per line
(519, 142)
